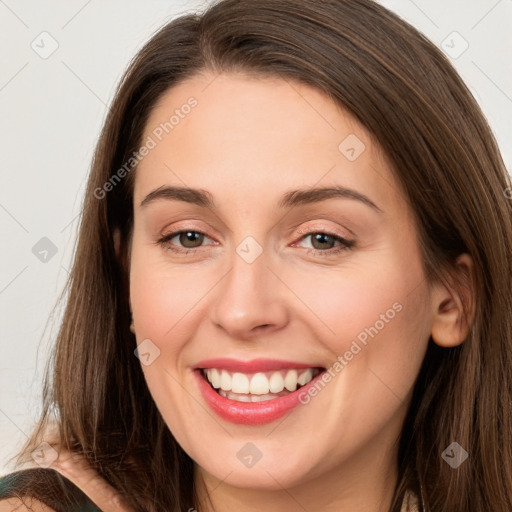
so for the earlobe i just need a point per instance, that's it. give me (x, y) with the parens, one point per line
(454, 305)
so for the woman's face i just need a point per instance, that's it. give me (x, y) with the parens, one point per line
(264, 283)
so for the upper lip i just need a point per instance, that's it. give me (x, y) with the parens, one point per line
(253, 366)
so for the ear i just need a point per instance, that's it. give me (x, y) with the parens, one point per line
(454, 305)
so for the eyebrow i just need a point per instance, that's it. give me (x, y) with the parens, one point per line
(290, 199)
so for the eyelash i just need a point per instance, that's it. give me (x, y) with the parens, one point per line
(344, 243)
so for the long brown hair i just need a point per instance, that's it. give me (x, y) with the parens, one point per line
(410, 98)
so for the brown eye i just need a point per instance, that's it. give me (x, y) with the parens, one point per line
(183, 241)
(326, 244)
(190, 239)
(322, 241)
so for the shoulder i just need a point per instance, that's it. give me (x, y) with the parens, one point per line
(75, 468)
(410, 503)
(41, 490)
(22, 505)
(69, 477)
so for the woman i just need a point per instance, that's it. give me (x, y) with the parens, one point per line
(214, 353)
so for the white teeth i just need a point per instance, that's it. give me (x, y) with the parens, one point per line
(225, 381)
(232, 396)
(214, 377)
(261, 384)
(262, 398)
(246, 398)
(240, 383)
(276, 382)
(290, 381)
(305, 377)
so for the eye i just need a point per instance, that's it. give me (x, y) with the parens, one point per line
(189, 240)
(323, 243)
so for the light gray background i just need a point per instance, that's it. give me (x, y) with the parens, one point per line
(52, 110)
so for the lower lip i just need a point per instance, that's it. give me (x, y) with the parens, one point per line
(250, 413)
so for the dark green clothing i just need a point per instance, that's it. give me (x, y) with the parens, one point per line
(49, 487)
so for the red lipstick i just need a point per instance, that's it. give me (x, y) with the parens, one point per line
(251, 413)
(253, 366)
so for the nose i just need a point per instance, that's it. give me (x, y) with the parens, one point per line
(249, 300)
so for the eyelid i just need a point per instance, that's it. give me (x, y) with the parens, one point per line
(179, 227)
(316, 228)
(345, 244)
(301, 230)
(165, 238)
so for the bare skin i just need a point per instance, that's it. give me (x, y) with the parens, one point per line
(247, 142)
(76, 469)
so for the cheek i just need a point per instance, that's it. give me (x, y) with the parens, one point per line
(165, 298)
(375, 326)
(355, 303)
(372, 318)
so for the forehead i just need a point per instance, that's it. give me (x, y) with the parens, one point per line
(257, 136)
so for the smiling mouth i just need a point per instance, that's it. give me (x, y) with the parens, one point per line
(259, 386)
